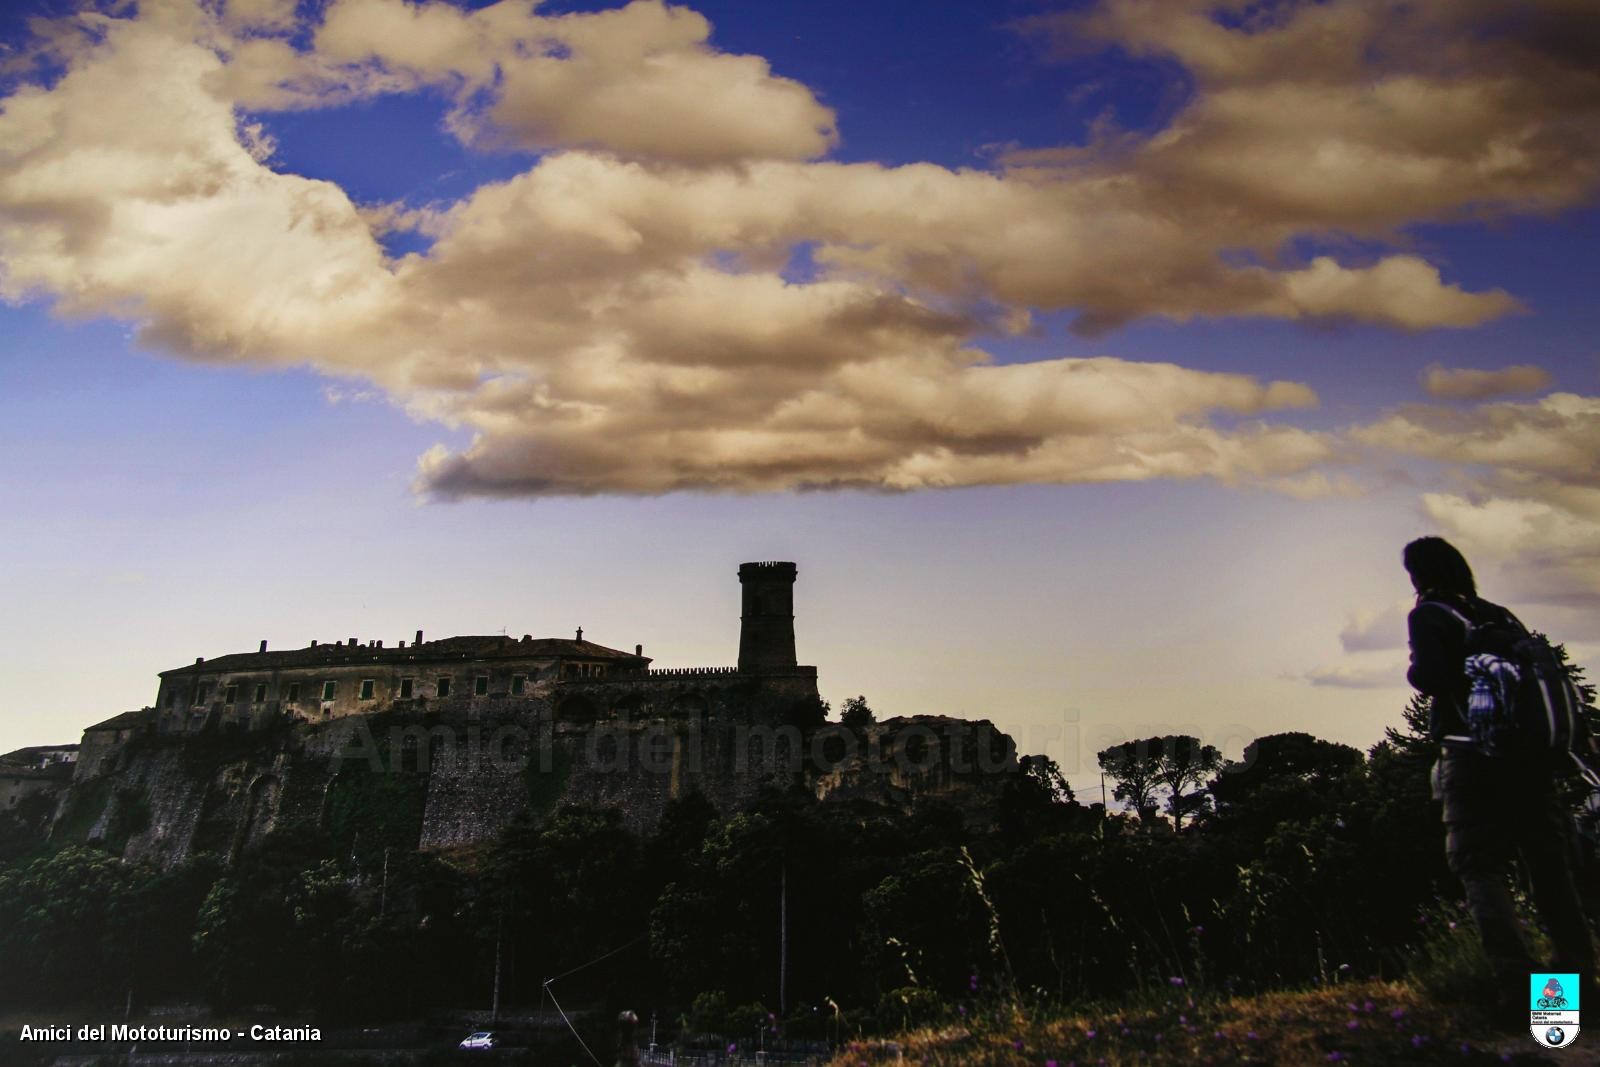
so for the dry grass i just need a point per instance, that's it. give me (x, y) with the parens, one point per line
(1358, 1022)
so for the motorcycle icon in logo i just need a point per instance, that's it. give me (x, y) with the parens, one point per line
(1553, 1005)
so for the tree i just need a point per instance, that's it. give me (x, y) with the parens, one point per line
(855, 713)
(1183, 764)
(1135, 766)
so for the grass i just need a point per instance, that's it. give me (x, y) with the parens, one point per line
(1355, 1022)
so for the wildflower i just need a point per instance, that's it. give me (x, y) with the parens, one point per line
(1219, 1035)
(1126, 1031)
(1353, 1024)
(1417, 1040)
(1051, 1063)
(1466, 1049)
(1352, 1007)
(1398, 1013)
(1335, 1056)
(1368, 1006)
(1252, 1036)
(962, 1008)
(1183, 1018)
(1017, 1044)
(1452, 925)
(972, 983)
(1175, 980)
(1090, 1034)
(1158, 1037)
(732, 1048)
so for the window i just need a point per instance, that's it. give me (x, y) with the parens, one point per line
(294, 692)
(230, 694)
(444, 686)
(328, 689)
(261, 694)
(480, 685)
(518, 684)
(201, 693)
(405, 688)
(367, 686)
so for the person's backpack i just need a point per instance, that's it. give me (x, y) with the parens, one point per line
(1520, 699)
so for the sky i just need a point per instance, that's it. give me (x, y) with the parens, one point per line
(1093, 360)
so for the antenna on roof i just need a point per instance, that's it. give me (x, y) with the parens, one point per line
(580, 633)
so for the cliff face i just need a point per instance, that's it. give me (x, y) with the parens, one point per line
(456, 776)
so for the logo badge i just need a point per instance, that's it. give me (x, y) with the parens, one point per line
(1553, 1008)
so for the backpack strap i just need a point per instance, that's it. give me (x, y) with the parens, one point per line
(1460, 615)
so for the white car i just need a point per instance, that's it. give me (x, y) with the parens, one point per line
(483, 1039)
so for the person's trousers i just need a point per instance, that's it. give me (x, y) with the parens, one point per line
(1494, 810)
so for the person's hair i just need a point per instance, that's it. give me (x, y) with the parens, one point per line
(1436, 566)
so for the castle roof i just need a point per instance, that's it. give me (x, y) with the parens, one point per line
(492, 646)
(124, 721)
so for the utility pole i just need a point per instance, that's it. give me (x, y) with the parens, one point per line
(783, 942)
(499, 936)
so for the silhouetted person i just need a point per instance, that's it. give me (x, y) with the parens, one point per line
(1494, 806)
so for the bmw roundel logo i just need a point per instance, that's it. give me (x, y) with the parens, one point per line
(1555, 1035)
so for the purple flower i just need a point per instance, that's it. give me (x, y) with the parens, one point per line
(1368, 1006)
(1183, 1018)
(1352, 1007)
(1051, 1063)
(962, 1008)
(1175, 980)
(1466, 1049)
(732, 1048)
(1017, 1044)
(1335, 1056)
(1352, 1025)
(1398, 1013)
(1252, 1036)
(1126, 1031)
(1219, 1035)
(1090, 1034)
(1417, 1040)
(972, 983)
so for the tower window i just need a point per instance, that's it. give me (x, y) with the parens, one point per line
(261, 694)
(406, 685)
(367, 686)
(480, 685)
(444, 686)
(328, 689)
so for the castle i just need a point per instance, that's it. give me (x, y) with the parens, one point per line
(474, 732)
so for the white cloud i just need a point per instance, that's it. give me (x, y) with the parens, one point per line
(618, 319)
(1465, 383)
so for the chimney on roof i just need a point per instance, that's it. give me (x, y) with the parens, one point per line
(380, 644)
(313, 642)
(419, 638)
(352, 642)
(263, 646)
(638, 650)
(402, 643)
(580, 633)
(199, 660)
(527, 637)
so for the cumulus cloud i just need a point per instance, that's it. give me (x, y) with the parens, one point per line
(624, 316)
(1347, 676)
(1465, 383)
(1376, 631)
(1529, 488)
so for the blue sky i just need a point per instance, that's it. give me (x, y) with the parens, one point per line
(1093, 360)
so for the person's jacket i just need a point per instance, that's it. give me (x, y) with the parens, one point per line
(1439, 650)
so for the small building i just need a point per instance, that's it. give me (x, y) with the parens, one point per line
(35, 769)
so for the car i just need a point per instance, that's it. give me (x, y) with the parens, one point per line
(481, 1039)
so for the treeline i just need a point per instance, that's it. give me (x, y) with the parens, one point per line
(1304, 862)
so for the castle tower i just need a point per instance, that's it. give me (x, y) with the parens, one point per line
(766, 627)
